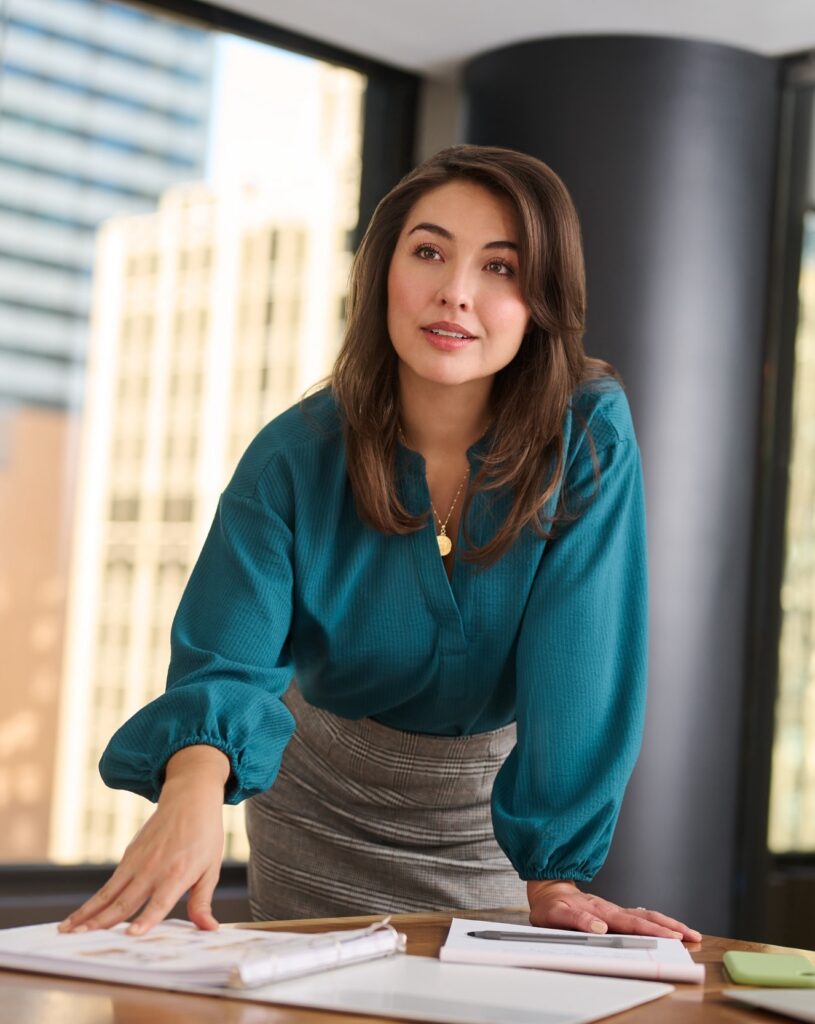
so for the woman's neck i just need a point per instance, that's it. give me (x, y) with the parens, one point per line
(440, 419)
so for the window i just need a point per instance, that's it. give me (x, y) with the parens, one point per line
(792, 798)
(178, 510)
(125, 140)
(775, 869)
(124, 509)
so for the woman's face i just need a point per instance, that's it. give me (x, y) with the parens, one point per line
(455, 311)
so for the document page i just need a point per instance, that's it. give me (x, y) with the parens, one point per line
(176, 951)
(669, 961)
(173, 949)
(424, 989)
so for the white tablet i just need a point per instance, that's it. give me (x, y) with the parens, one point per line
(794, 1002)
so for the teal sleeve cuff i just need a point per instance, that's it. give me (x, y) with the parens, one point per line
(250, 726)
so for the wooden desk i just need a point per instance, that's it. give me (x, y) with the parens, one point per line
(41, 999)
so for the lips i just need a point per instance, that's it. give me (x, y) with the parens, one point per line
(448, 329)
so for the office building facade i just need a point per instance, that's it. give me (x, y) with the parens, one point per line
(210, 316)
(102, 106)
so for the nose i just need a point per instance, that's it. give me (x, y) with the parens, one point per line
(456, 290)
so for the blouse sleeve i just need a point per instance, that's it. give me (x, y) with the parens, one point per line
(580, 677)
(229, 663)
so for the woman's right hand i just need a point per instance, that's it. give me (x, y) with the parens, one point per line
(179, 848)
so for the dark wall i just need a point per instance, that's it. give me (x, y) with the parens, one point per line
(668, 148)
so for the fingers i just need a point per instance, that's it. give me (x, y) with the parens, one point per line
(122, 896)
(586, 913)
(167, 894)
(113, 904)
(643, 922)
(110, 891)
(682, 930)
(639, 921)
(199, 901)
(119, 909)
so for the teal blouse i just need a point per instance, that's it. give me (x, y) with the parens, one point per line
(554, 635)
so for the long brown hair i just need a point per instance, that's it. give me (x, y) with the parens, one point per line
(530, 396)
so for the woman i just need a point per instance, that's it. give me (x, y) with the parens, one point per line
(444, 542)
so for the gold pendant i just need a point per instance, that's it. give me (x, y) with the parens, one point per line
(445, 544)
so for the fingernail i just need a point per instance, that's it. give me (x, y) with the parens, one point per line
(80, 928)
(600, 927)
(63, 926)
(135, 929)
(677, 935)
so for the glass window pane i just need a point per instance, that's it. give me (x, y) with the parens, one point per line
(792, 798)
(173, 266)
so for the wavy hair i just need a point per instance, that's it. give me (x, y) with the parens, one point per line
(530, 396)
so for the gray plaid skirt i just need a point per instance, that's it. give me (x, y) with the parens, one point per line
(365, 819)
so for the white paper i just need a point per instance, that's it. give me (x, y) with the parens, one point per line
(424, 989)
(670, 961)
(177, 951)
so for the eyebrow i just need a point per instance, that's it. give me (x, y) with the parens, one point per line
(435, 229)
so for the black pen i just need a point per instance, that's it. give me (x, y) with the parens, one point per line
(579, 939)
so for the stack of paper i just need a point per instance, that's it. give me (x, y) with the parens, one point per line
(668, 961)
(176, 952)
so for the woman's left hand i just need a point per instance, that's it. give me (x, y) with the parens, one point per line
(560, 904)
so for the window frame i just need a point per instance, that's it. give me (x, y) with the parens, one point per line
(762, 879)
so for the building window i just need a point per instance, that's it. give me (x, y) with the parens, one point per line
(124, 510)
(178, 510)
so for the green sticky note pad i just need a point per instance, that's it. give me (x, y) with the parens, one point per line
(783, 970)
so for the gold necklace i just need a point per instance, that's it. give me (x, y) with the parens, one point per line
(443, 541)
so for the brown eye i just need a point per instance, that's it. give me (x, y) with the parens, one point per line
(501, 268)
(422, 251)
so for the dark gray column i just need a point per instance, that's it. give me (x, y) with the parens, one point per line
(668, 148)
